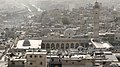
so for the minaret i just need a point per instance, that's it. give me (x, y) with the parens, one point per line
(96, 13)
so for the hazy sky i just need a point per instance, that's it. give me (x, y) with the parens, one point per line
(109, 2)
(9, 3)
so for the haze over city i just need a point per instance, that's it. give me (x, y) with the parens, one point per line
(59, 33)
(17, 3)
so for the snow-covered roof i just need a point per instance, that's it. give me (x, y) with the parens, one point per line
(33, 44)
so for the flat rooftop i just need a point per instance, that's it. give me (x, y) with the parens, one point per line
(101, 44)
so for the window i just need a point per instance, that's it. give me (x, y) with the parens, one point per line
(30, 63)
(78, 60)
(76, 45)
(40, 56)
(13, 62)
(62, 46)
(52, 59)
(59, 60)
(52, 46)
(72, 45)
(35, 56)
(22, 62)
(57, 46)
(42, 46)
(47, 46)
(40, 63)
(67, 46)
(30, 56)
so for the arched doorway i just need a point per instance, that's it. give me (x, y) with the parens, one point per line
(72, 45)
(62, 46)
(76, 45)
(57, 46)
(42, 46)
(52, 46)
(67, 46)
(47, 46)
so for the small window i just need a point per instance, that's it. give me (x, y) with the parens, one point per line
(30, 56)
(30, 63)
(35, 56)
(78, 60)
(52, 59)
(66, 61)
(22, 62)
(13, 62)
(40, 56)
(40, 63)
(72, 62)
(59, 60)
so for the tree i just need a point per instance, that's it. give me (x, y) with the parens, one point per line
(65, 21)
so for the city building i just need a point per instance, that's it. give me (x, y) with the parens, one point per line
(36, 59)
(78, 61)
(61, 36)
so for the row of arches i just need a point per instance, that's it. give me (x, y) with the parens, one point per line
(59, 46)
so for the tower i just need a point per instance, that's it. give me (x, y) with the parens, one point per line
(96, 13)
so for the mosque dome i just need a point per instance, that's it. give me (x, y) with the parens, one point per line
(69, 32)
(26, 42)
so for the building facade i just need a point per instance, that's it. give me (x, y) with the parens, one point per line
(36, 59)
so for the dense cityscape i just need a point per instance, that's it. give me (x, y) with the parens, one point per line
(65, 33)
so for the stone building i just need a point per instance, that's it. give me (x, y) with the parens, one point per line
(63, 43)
(16, 62)
(78, 61)
(36, 59)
